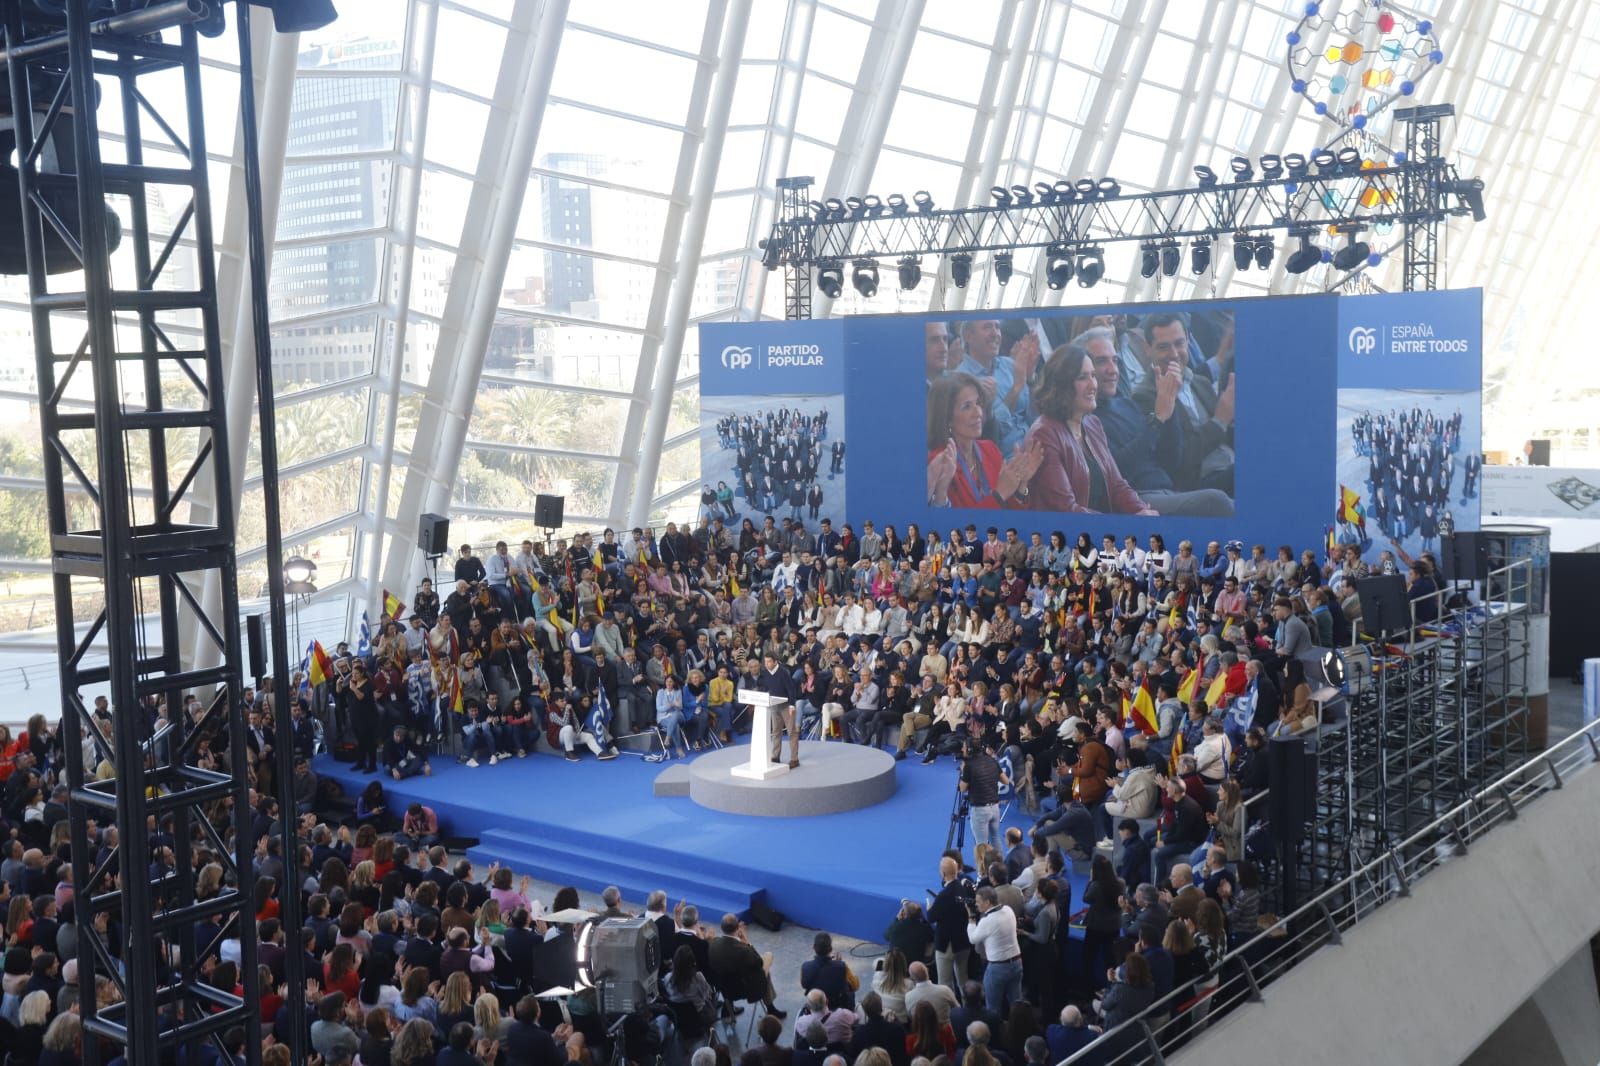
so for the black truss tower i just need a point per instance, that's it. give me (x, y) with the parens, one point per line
(1416, 194)
(144, 548)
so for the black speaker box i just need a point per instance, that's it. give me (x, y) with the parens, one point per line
(433, 535)
(1465, 557)
(1384, 606)
(255, 639)
(548, 510)
(1292, 783)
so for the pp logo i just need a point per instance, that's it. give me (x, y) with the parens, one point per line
(1363, 340)
(736, 358)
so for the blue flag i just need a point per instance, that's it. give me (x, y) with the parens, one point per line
(364, 642)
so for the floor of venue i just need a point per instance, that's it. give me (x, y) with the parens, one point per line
(592, 824)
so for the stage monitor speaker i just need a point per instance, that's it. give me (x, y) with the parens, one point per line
(1467, 558)
(433, 535)
(1385, 609)
(547, 511)
(1291, 783)
(1538, 453)
(256, 642)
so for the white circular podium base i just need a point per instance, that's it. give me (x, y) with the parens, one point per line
(832, 776)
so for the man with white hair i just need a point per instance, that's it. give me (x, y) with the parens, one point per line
(942, 996)
(838, 1023)
(1070, 1036)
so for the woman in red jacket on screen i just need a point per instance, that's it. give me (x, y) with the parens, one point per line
(1078, 473)
(964, 468)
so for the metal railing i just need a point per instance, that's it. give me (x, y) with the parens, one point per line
(1247, 970)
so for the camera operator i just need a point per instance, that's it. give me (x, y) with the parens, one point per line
(992, 928)
(981, 780)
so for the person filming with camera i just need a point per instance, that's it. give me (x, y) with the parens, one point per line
(981, 780)
(992, 928)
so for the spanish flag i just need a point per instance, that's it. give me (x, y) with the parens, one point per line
(1142, 710)
(599, 562)
(318, 666)
(456, 703)
(1218, 687)
(1177, 750)
(1190, 682)
(392, 605)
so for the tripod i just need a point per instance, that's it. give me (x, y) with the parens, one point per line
(957, 835)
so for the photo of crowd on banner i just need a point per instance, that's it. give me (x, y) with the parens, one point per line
(1405, 478)
(1103, 414)
(778, 460)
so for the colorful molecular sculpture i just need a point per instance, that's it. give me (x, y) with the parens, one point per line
(1353, 66)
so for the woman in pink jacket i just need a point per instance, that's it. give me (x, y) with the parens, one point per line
(1078, 472)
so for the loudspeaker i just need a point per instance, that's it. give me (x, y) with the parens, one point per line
(1466, 557)
(433, 535)
(1384, 606)
(547, 511)
(255, 639)
(1292, 783)
(1538, 453)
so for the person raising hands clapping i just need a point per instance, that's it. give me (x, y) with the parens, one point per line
(964, 468)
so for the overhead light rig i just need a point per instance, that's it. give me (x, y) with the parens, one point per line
(1333, 196)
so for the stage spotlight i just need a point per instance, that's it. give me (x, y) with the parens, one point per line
(835, 207)
(961, 269)
(910, 272)
(1109, 187)
(1149, 260)
(855, 204)
(1242, 170)
(897, 203)
(1002, 267)
(873, 205)
(620, 958)
(1351, 255)
(1058, 266)
(1002, 196)
(1333, 668)
(1470, 190)
(1296, 164)
(1271, 166)
(1303, 258)
(771, 252)
(1350, 158)
(1044, 191)
(1064, 191)
(298, 570)
(1325, 161)
(818, 208)
(1170, 256)
(1085, 187)
(1264, 251)
(1207, 176)
(1243, 252)
(1200, 255)
(1021, 194)
(864, 277)
(1091, 267)
(923, 199)
(830, 278)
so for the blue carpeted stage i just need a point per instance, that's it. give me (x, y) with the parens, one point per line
(593, 824)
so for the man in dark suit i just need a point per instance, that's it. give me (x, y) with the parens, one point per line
(948, 913)
(422, 948)
(526, 1043)
(740, 970)
(972, 1009)
(655, 908)
(269, 952)
(522, 945)
(875, 1030)
(825, 970)
(688, 933)
(776, 680)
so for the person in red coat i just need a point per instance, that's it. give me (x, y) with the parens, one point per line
(965, 469)
(1077, 471)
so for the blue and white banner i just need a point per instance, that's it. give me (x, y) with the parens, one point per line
(1412, 340)
(765, 358)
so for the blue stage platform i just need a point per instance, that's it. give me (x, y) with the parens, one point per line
(593, 824)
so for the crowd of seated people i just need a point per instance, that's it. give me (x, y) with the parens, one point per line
(1105, 414)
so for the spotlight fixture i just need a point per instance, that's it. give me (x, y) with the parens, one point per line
(1109, 187)
(1352, 254)
(1170, 256)
(1242, 170)
(873, 205)
(897, 203)
(1303, 258)
(1206, 175)
(855, 205)
(1021, 194)
(923, 199)
(1002, 267)
(1296, 164)
(864, 276)
(835, 207)
(1470, 190)
(961, 269)
(1271, 166)
(1058, 266)
(1065, 191)
(1002, 196)
(771, 252)
(1091, 267)
(1264, 250)
(818, 208)
(910, 272)
(830, 278)
(298, 573)
(1243, 251)
(1325, 161)
(1085, 187)
(1350, 157)
(1200, 255)
(1149, 260)
(1044, 191)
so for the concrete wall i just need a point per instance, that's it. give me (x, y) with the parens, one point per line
(1429, 979)
(1559, 1024)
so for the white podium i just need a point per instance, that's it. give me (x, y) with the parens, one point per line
(760, 767)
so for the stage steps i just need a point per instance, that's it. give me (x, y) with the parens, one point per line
(583, 860)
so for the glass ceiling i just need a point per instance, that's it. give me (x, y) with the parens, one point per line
(498, 222)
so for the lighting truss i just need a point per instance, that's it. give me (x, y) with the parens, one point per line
(1415, 193)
